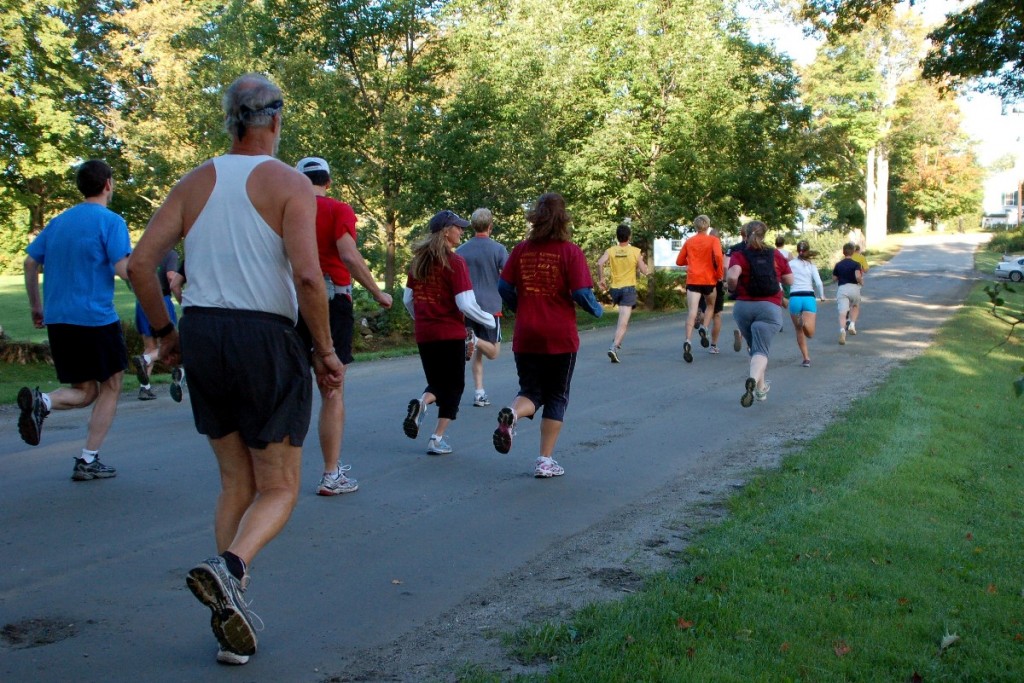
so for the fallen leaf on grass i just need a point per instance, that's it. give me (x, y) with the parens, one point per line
(690, 652)
(904, 601)
(947, 641)
(784, 647)
(683, 624)
(915, 678)
(970, 536)
(991, 589)
(841, 648)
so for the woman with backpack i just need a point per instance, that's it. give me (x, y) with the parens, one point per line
(756, 274)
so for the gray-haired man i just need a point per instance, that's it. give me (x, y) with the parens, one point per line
(485, 259)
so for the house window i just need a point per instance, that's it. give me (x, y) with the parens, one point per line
(1011, 198)
(677, 245)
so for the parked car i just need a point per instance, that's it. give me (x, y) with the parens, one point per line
(1012, 268)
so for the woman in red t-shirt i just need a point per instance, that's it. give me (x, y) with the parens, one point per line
(438, 296)
(543, 277)
(758, 315)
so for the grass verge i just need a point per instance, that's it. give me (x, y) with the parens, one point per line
(887, 549)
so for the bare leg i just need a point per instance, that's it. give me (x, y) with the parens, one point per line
(620, 328)
(716, 327)
(854, 313)
(801, 340)
(692, 302)
(331, 425)
(259, 488)
(442, 425)
(810, 323)
(487, 349)
(549, 431)
(103, 411)
(76, 396)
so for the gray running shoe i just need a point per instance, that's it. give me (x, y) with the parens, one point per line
(438, 445)
(763, 395)
(481, 401)
(33, 412)
(506, 430)
(140, 369)
(687, 352)
(146, 394)
(177, 376)
(842, 337)
(231, 621)
(337, 483)
(411, 425)
(747, 399)
(92, 470)
(613, 354)
(704, 341)
(737, 341)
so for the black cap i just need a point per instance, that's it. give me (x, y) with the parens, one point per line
(442, 219)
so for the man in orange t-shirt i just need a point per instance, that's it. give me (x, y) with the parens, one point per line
(705, 266)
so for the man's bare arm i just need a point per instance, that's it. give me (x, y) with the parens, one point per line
(356, 265)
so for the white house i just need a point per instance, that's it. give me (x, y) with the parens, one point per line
(1001, 204)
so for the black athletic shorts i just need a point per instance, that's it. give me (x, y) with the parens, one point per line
(488, 334)
(248, 372)
(84, 354)
(342, 323)
(545, 379)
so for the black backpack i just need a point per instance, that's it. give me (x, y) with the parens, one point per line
(764, 281)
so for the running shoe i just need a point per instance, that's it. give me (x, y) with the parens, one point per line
(806, 363)
(140, 369)
(852, 327)
(762, 394)
(94, 470)
(713, 348)
(438, 445)
(470, 344)
(613, 355)
(146, 394)
(687, 352)
(747, 399)
(336, 483)
(547, 467)
(505, 431)
(411, 425)
(481, 401)
(177, 376)
(737, 341)
(232, 622)
(842, 337)
(33, 412)
(703, 332)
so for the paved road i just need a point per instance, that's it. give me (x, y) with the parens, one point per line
(104, 561)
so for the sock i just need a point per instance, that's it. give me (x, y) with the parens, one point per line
(146, 358)
(88, 456)
(480, 392)
(235, 564)
(47, 403)
(145, 386)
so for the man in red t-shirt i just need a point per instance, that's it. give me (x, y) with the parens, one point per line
(340, 261)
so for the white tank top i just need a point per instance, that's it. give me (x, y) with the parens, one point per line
(233, 259)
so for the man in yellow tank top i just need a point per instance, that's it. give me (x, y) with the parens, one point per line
(626, 261)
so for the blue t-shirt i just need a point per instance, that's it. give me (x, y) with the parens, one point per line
(78, 250)
(845, 272)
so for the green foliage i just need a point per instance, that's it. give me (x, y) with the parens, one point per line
(1010, 242)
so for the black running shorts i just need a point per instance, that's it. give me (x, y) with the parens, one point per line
(248, 372)
(84, 354)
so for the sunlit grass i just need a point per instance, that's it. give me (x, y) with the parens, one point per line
(897, 527)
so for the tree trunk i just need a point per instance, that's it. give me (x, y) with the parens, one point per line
(390, 242)
(870, 191)
(877, 228)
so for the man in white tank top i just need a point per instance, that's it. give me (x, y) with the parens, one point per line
(248, 221)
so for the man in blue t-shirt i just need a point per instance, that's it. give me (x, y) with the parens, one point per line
(485, 259)
(80, 251)
(849, 277)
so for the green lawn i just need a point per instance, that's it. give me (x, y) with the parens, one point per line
(887, 549)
